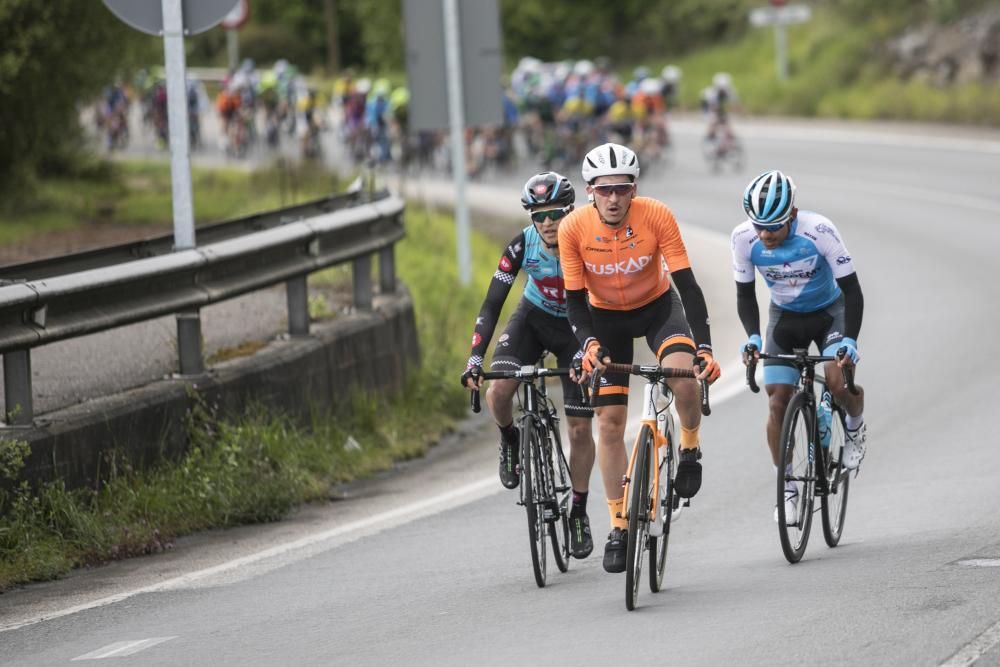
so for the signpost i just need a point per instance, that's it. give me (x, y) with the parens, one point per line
(778, 14)
(172, 19)
(453, 66)
(232, 22)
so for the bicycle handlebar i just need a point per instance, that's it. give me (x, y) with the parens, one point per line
(523, 374)
(799, 360)
(652, 373)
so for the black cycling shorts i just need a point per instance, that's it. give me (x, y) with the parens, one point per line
(661, 322)
(528, 333)
(788, 330)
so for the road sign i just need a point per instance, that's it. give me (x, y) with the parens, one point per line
(780, 15)
(481, 64)
(147, 15)
(238, 16)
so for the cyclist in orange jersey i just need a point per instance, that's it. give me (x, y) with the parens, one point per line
(624, 251)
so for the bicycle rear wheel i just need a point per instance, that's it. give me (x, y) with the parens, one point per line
(641, 478)
(531, 493)
(834, 503)
(658, 544)
(559, 487)
(797, 466)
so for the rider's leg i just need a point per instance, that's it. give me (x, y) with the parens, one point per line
(611, 457)
(500, 399)
(582, 452)
(778, 396)
(853, 405)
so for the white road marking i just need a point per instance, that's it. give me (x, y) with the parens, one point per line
(975, 649)
(121, 649)
(980, 562)
(439, 503)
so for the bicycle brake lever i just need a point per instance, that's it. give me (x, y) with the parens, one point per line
(476, 407)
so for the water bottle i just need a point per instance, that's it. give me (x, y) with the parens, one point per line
(824, 412)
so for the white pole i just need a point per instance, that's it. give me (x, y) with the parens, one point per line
(457, 123)
(180, 161)
(780, 55)
(233, 47)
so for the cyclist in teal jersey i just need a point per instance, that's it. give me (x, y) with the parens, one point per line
(538, 324)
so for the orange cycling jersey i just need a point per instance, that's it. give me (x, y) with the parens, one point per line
(622, 268)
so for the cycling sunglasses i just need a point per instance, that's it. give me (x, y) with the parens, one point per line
(620, 189)
(550, 214)
(769, 227)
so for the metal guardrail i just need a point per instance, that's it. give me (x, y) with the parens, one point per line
(44, 310)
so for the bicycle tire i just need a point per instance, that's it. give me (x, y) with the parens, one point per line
(536, 523)
(559, 478)
(796, 441)
(638, 516)
(834, 503)
(658, 546)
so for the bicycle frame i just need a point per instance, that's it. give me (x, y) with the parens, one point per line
(658, 420)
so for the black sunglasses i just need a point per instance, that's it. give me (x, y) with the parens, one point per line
(550, 214)
(620, 189)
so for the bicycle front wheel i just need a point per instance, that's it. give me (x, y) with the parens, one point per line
(834, 503)
(560, 489)
(532, 494)
(665, 512)
(796, 470)
(641, 478)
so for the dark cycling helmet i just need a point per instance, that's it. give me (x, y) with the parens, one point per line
(547, 188)
(769, 200)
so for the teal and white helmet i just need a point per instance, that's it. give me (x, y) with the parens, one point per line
(769, 200)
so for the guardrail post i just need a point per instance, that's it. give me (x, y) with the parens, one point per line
(189, 343)
(387, 270)
(19, 410)
(298, 306)
(363, 283)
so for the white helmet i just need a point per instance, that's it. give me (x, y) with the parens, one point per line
(610, 160)
(671, 73)
(583, 68)
(722, 80)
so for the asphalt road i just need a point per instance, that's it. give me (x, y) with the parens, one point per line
(431, 565)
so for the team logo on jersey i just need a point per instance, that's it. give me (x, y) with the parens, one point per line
(505, 264)
(792, 272)
(843, 259)
(541, 189)
(633, 265)
(824, 228)
(476, 339)
(628, 232)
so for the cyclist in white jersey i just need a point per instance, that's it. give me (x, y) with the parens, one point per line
(815, 297)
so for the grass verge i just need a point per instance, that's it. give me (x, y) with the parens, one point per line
(261, 466)
(139, 193)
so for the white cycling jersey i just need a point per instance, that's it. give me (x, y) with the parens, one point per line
(802, 272)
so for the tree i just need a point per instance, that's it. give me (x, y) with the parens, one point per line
(54, 56)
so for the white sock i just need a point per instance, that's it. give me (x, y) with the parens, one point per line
(853, 423)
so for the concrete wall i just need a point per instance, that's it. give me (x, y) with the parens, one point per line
(148, 424)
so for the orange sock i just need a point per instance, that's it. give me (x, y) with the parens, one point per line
(689, 437)
(616, 508)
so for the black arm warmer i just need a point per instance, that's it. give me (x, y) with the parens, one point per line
(579, 315)
(747, 308)
(694, 307)
(854, 304)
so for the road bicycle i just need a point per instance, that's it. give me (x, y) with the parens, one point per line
(721, 151)
(813, 465)
(545, 487)
(650, 500)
